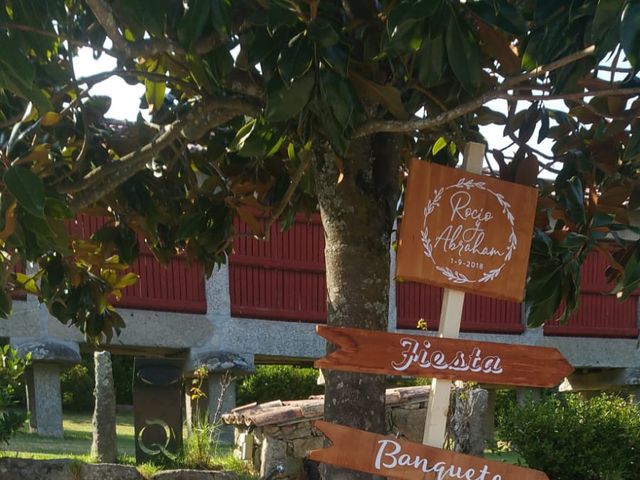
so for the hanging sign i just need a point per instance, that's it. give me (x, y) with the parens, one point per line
(465, 231)
(390, 457)
(370, 351)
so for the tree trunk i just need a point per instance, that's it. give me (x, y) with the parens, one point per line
(357, 196)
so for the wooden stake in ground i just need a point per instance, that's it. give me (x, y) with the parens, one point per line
(435, 426)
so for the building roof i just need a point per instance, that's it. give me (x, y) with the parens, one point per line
(280, 412)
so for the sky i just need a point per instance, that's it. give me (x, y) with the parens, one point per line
(125, 98)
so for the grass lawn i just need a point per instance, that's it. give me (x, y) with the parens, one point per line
(76, 442)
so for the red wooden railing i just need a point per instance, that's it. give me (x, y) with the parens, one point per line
(599, 314)
(175, 287)
(282, 278)
(415, 301)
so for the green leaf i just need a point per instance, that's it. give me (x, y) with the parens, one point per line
(605, 29)
(386, 95)
(406, 37)
(5, 304)
(27, 283)
(127, 280)
(126, 241)
(543, 297)
(18, 75)
(338, 94)
(98, 105)
(632, 149)
(221, 15)
(486, 116)
(58, 209)
(544, 124)
(431, 65)
(413, 10)
(631, 279)
(194, 21)
(257, 139)
(322, 33)
(463, 55)
(295, 60)
(284, 103)
(27, 188)
(630, 34)
(190, 226)
(439, 145)
(529, 123)
(154, 93)
(502, 14)
(574, 198)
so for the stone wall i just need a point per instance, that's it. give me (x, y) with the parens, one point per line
(27, 469)
(280, 448)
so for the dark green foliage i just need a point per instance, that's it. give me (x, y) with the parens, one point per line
(11, 372)
(77, 387)
(278, 382)
(571, 438)
(303, 75)
(123, 379)
(77, 383)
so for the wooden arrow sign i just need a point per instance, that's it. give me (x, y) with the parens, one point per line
(372, 351)
(388, 456)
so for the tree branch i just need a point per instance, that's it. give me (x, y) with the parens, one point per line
(578, 96)
(397, 126)
(157, 77)
(152, 47)
(106, 178)
(305, 161)
(54, 35)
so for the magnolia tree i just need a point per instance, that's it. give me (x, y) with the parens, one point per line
(263, 108)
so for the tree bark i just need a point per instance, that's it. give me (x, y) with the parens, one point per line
(358, 196)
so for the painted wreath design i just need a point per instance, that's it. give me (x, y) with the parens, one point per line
(427, 246)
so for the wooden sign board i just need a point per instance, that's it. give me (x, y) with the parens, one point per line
(372, 351)
(389, 457)
(465, 231)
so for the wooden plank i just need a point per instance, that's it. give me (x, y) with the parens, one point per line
(389, 457)
(465, 231)
(370, 351)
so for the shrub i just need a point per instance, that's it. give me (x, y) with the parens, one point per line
(11, 371)
(77, 383)
(123, 378)
(278, 382)
(571, 438)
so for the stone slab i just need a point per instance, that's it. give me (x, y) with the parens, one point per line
(186, 474)
(27, 469)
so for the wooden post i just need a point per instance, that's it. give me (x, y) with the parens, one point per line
(450, 316)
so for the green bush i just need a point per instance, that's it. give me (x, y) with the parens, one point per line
(278, 382)
(572, 438)
(123, 378)
(77, 383)
(11, 372)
